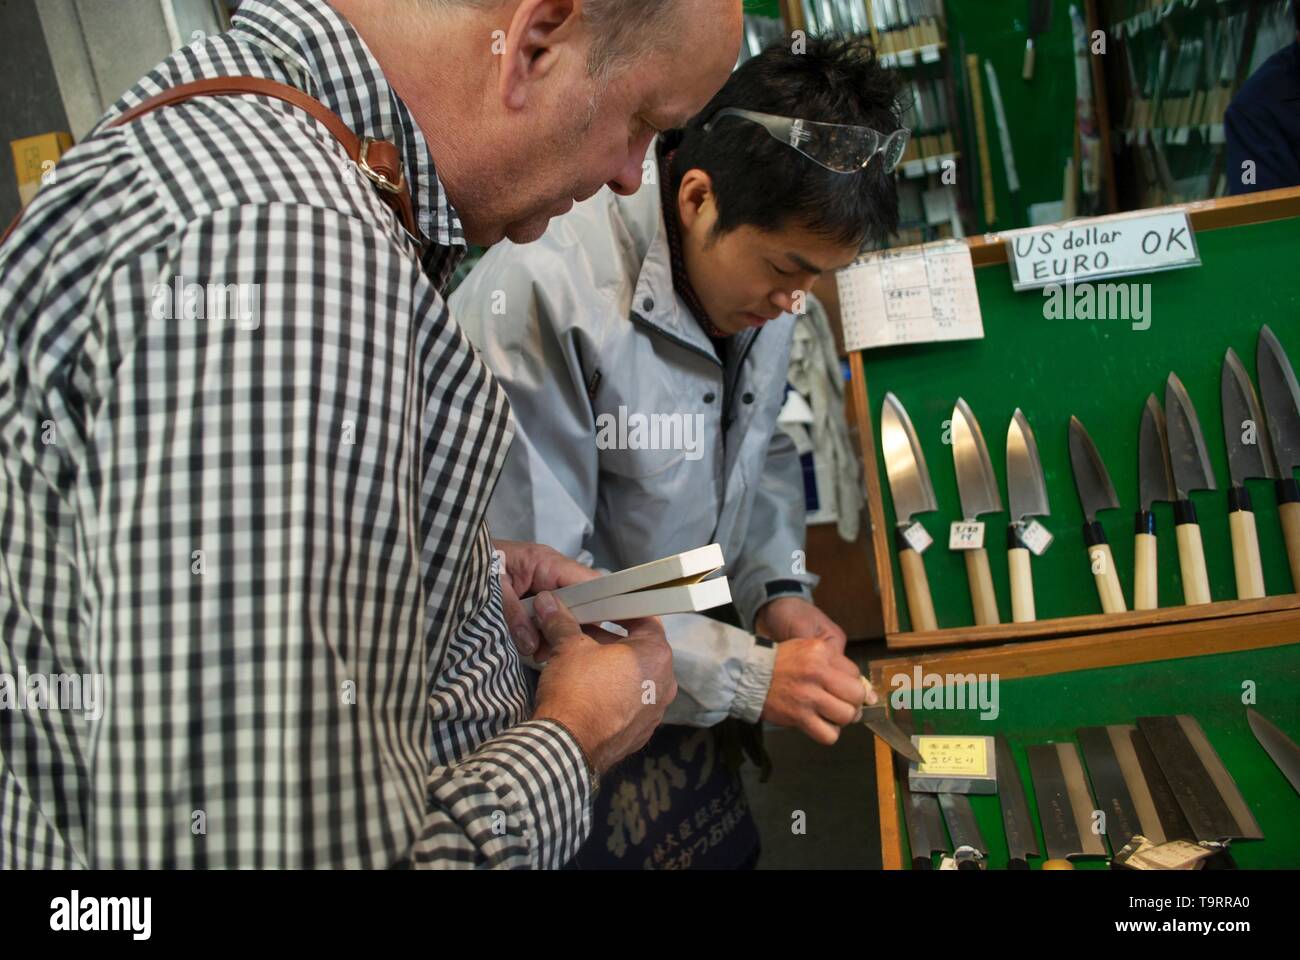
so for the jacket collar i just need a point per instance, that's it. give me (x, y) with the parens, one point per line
(338, 69)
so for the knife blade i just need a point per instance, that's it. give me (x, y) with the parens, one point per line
(1277, 745)
(967, 844)
(1064, 804)
(1027, 494)
(925, 833)
(1281, 395)
(1109, 786)
(1096, 493)
(878, 722)
(913, 493)
(1204, 789)
(1192, 471)
(1155, 482)
(977, 489)
(1022, 841)
(1250, 455)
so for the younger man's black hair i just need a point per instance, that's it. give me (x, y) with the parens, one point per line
(761, 182)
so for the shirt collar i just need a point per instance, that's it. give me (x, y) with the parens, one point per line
(339, 70)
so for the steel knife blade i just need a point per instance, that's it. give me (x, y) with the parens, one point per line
(1187, 453)
(1277, 745)
(1022, 840)
(1109, 786)
(1026, 487)
(1243, 417)
(1155, 474)
(977, 484)
(1064, 804)
(909, 478)
(1281, 395)
(968, 847)
(1091, 478)
(877, 720)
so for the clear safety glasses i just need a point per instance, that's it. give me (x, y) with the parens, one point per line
(835, 146)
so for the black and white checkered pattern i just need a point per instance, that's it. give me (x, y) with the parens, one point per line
(267, 536)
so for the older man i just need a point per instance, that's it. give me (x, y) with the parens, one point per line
(266, 536)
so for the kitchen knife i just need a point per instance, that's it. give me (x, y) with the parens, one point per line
(1027, 494)
(1191, 465)
(910, 487)
(1281, 396)
(968, 847)
(1022, 841)
(1278, 746)
(1109, 783)
(1096, 493)
(1204, 789)
(878, 722)
(977, 487)
(1065, 806)
(925, 833)
(1250, 454)
(1155, 482)
(1172, 823)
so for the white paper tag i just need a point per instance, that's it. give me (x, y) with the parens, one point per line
(917, 537)
(907, 58)
(887, 60)
(1036, 537)
(947, 863)
(966, 535)
(930, 53)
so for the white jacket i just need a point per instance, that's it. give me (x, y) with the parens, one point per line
(584, 330)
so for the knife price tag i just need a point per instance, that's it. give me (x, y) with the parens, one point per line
(1036, 537)
(917, 537)
(966, 535)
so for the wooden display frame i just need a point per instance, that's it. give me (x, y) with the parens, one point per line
(1010, 661)
(1232, 616)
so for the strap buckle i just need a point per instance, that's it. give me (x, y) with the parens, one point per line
(375, 177)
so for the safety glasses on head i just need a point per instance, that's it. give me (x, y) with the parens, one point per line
(837, 147)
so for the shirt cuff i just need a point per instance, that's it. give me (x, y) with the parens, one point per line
(542, 766)
(755, 682)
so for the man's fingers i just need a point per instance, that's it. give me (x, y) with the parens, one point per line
(521, 627)
(834, 709)
(558, 624)
(845, 687)
(846, 667)
(820, 731)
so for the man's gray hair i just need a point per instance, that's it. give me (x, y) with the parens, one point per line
(622, 30)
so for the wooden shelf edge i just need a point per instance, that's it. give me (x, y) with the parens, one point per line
(1088, 623)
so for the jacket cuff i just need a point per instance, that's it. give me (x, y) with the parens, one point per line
(755, 682)
(544, 770)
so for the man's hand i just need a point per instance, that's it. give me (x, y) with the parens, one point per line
(814, 688)
(787, 618)
(610, 695)
(531, 568)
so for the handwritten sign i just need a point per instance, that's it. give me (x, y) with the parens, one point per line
(1101, 248)
(919, 294)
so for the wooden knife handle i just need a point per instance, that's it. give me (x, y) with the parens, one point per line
(1245, 545)
(920, 604)
(1058, 865)
(1191, 554)
(1022, 579)
(1103, 569)
(1027, 68)
(1288, 508)
(1146, 585)
(982, 596)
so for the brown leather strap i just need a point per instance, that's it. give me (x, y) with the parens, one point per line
(378, 160)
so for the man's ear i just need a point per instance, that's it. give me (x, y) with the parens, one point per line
(695, 200)
(537, 32)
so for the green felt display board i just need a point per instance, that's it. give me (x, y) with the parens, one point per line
(1102, 372)
(1040, 112)
(1049, 709)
